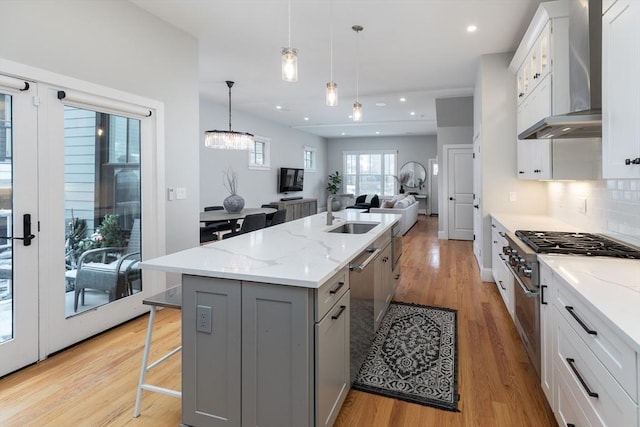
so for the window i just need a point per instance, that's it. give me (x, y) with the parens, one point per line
(309, 160)
(260, 155)
(370, 172)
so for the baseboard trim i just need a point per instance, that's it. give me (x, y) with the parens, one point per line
(486, 275)
(442, 235)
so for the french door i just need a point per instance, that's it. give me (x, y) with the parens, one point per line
(74, 166)
(18, 223)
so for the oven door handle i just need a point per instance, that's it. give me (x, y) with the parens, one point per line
(527, 292)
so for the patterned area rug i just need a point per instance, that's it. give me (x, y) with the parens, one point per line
(414, 357)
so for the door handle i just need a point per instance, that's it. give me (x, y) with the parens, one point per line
(451, 198)
(26, 228)
(476, 206)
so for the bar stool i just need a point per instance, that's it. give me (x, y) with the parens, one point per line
(171, 298)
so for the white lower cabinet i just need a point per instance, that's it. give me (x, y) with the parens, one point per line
(547, 289)
(501, 274)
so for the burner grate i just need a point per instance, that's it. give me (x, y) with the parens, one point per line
(557, 242)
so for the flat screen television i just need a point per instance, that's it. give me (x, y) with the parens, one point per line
(291, 179)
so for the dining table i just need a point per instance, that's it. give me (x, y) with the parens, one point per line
(222, 215)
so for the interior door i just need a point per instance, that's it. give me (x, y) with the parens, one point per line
(477, 198)
(460, 187)
(18, 211)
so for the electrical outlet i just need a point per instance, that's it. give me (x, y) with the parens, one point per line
(581, 205)
(203, 319)
(181, 193)
(513, 196)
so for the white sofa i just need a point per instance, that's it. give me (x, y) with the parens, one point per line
(407, 206)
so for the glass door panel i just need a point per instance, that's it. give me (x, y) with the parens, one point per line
(102, 208)
(18, 256)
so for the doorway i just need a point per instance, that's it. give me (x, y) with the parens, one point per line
(458, 191)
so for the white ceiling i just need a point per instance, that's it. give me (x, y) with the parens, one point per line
(416, 49)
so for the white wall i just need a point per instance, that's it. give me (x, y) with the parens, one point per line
(256, 186)
(612, 206)
(118, 45)
(410, 148)
(495, 117)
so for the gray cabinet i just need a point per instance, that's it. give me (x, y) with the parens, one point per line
(383, 285)
(332, 376)
(299, 208)
(270, 355)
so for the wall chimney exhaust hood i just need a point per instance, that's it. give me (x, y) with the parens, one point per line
(585, 78)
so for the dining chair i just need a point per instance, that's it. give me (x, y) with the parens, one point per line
(270, 216)
(278, 218)
(211, 230)
(250, 223)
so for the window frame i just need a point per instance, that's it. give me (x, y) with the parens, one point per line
(313, 152)
(382, 153)
(266, 164)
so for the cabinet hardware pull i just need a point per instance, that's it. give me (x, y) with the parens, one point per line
(342, 308)
(500, 283)
(397, 276)
(570, 309)
(571, 425)
(337, 288)
(493, 226)
(635, 161)
(502, 234)
(571, 362)
(542, 288)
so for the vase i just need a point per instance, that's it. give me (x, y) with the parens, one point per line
(401, 189)
(233, 203)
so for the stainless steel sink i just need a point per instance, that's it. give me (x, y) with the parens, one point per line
(354, 227)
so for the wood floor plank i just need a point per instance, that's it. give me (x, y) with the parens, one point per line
(94, 383)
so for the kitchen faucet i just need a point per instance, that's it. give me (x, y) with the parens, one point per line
(330, 216)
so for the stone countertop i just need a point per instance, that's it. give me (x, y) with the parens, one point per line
(513, 222)
(610, 285)
(297, 253)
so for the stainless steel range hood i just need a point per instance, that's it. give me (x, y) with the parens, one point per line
(585, 78)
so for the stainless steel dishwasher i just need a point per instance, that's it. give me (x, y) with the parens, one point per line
(362, 323)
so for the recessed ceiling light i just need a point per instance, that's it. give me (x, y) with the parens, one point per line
(403, 99)
(471, 28)
(344, 133)
(306, 118)
(377, 133)
(278, 107)
(381, 104)
(350, 116)
(413, 113)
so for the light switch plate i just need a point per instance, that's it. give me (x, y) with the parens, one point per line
(171, 194)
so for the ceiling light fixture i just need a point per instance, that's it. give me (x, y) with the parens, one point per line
(403, 99)
(332, 87)
(357, 107)
(228, 140)
(289, 58)
(471, 28)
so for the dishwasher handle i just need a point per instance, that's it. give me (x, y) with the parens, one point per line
(360, 267)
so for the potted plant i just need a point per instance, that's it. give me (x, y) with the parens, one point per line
(232, 203)
(402, 179)
(333, 186)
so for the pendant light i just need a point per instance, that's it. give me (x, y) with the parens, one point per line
(289, 58)
(357, 107)
(332, 87)
(228, 140)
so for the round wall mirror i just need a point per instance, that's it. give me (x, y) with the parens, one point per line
(417, 174)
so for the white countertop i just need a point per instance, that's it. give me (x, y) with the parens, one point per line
(513, 222)
(296, 253)
(610, 285)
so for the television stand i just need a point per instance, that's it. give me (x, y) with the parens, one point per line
(297, 207)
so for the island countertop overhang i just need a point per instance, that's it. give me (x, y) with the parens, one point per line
(297, 253)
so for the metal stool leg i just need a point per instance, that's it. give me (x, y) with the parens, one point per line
(145, 360)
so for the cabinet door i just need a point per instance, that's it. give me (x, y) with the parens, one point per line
(211, 393)
(277, 361)
(332, 361)
(621, 91)
(382, 276)
(546, 333)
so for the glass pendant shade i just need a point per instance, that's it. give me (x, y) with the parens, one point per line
(357, 112)
(289, 64)
(332, 94)
(228, 139)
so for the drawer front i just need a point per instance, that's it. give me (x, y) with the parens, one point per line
(568, 409)
(589, 381)
(329, 293)
(611, 350)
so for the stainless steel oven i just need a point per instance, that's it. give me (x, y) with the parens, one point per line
(523, 263)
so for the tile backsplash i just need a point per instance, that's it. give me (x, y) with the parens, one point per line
(611, 207)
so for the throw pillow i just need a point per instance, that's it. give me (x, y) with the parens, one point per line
(389, 203)
(401, 204)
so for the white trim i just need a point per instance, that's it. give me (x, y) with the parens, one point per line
(314, 158)
(267, 154)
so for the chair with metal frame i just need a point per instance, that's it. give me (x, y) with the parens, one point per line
(250, 223)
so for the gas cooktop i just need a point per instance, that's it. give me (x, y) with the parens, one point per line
(560, 242)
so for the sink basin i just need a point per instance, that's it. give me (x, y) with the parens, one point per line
(353, 227)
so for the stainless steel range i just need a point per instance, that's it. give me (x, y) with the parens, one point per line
(523, 262)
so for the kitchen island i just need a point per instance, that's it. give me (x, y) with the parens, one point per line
(265, 322)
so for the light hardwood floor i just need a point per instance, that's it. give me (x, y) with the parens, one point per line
(94, 383)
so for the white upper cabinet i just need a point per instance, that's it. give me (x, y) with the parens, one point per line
(621, 89)
(536, 64)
